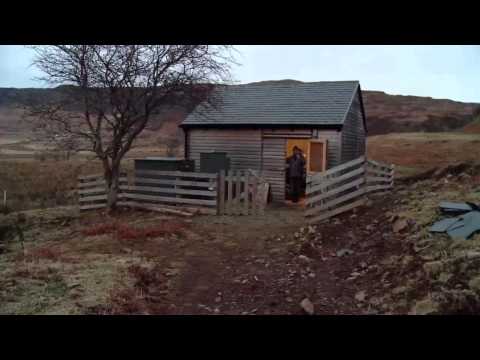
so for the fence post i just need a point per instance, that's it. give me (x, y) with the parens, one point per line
(245, 192)
(365, 167)
(230, 192)
(221, 192)
(254, 196)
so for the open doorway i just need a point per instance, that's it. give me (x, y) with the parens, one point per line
(314, 152)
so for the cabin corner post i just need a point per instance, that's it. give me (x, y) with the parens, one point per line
(185, 145)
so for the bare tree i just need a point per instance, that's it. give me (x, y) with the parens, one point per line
(115, 89)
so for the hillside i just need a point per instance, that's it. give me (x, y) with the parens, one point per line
(396, 113)
(385, 113)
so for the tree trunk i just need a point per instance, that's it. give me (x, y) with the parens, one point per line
(112, 179)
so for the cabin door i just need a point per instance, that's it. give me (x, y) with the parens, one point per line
(304, 145)
(317, 156)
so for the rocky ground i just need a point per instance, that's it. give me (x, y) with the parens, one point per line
(379, 259)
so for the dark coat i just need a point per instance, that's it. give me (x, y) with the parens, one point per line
(296, 166)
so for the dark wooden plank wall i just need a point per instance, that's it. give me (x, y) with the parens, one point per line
(334, 143)
(273, 169)
(353, 132)
(243, 146)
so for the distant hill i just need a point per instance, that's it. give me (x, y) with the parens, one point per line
(397, 113)
(385, 113)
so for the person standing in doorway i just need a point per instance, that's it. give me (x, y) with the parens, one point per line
(296, 172)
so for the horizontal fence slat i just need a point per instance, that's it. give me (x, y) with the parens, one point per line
(340, 167)
(88, 177)
(378, 187)
(171, 199)
(337, 211)
(180, 174)
(93, 198)
(169, 190)
(99, 197)
(174, 209)
(336, 201)
(97, 176)
(93, 206)
(379, 164)
(330, 182)
(145, 180)
(92, 191)
(373, 171)
(329, 193)
(379, 178)
(83, 185)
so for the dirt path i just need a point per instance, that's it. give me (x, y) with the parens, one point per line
(245, 265)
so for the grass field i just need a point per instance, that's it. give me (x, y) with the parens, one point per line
(414, 152)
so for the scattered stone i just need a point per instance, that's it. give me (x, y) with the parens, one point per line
(474, 284)
(399, 290)
(424, 307)
(407, 260)
(363, 265)
(218, 299)
(400, 225)
(360, 296)
(289, 299)
(307, 306)
(433, 268)
(444, 277)
(344, 252)
(375, 301)
(304, 258)
(311, 229)
(312, 275)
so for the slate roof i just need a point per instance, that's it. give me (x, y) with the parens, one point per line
(277, 103)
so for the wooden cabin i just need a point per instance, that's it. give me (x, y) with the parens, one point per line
(258, 125)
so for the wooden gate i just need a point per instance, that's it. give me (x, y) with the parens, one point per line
(345, 187)
(241, 193)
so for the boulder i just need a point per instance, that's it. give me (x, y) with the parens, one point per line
(360, 296)
(307, 306)
(343, 252)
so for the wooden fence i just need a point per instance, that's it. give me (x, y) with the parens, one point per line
(237, 193)
(241, 193)
(345, 187)
(379, 176)
(92, 192)
(172, 190)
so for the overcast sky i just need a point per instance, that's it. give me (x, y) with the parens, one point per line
(450, 72)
